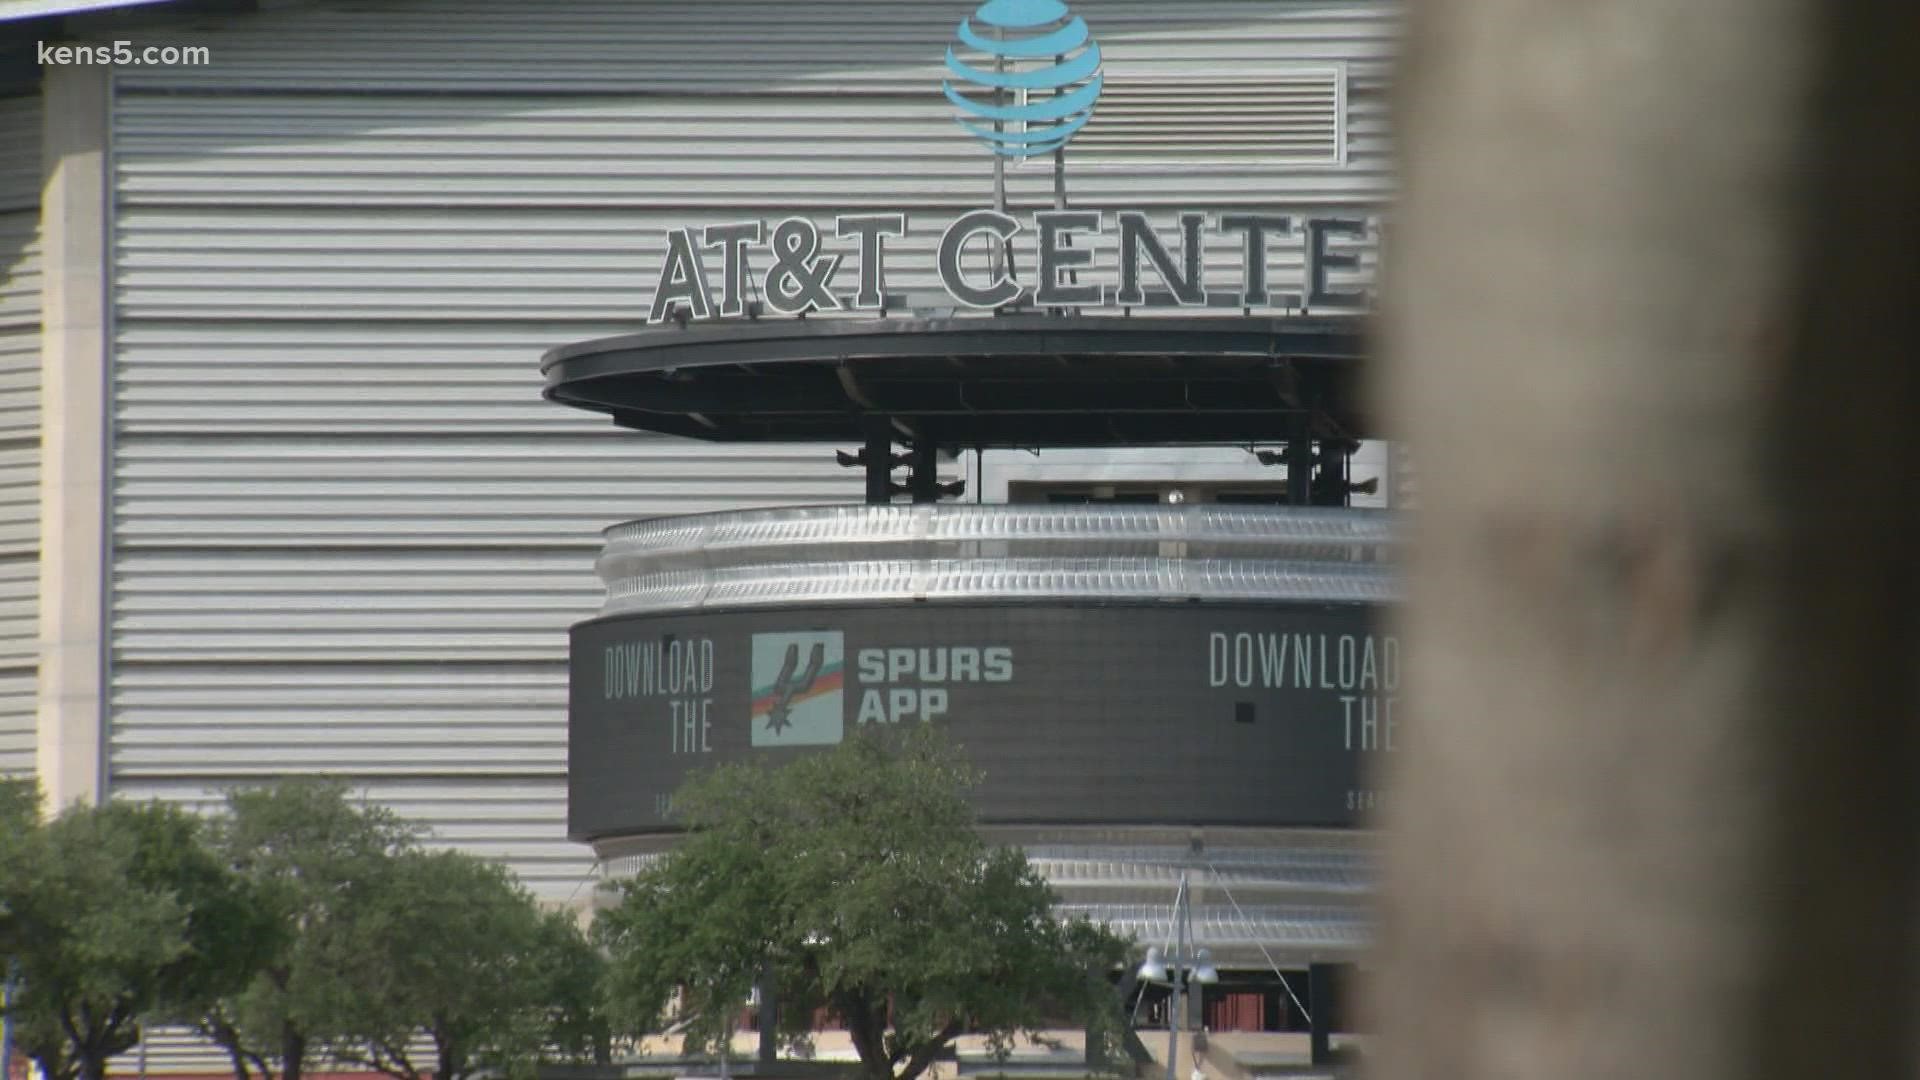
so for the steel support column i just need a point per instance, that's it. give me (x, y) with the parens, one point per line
(1323, 992)
(878, 458)
(924, 483)
(1332, 486)
(1299, 460)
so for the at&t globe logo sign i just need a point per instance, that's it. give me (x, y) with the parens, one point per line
(1025, 75)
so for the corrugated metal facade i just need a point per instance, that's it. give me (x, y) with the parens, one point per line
(19, 429)
(348, 536)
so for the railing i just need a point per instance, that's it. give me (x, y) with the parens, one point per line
(953, 552)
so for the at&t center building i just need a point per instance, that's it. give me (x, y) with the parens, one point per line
(1108, 538)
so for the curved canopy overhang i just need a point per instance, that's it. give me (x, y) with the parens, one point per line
(1005, 381)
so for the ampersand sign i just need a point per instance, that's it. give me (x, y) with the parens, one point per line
(798, 280)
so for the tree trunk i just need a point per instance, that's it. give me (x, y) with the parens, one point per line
(227, 1037)
(239, 1062)
(94, 1041)
(924, 1054)
(1653, 328)
(385, 1059)
(293, 1052)
(451, 1063)
(92, 1064)
(868, 1034)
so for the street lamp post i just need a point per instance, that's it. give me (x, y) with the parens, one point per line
(1173, 971)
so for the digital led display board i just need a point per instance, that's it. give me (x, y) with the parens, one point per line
(1167, 713)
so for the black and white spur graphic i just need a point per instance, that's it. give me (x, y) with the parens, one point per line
(795, 705)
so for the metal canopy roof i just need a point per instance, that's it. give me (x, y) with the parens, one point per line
(1024, 380)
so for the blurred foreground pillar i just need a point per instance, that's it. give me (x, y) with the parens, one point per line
(1653, 316)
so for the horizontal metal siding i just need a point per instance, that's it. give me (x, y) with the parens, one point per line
(179, 1051)
(468, 492)
(673, 117)
(728, 48)
(690, 152)
(20, 154)
(385, 605)
(348, 535)
(513, 269)
(19, 429)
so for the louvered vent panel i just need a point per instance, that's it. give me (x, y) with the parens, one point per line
(19, 429)
(1289, 116)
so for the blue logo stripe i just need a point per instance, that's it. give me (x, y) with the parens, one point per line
(1053, 135)
(1060, 42)
(1047, 78)
(1053, 108)
(1022, 14)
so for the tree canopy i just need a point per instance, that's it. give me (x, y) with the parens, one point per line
(304, 925)
(855, 878)
(120, 913)
(19, 832)
(316, 857)
(469, 959)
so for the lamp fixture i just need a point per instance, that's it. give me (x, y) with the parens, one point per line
(1154, 969)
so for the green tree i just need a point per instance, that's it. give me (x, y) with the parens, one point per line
(574, 970)
(123, 914)
(857, 879)
(317, 857)
(38, 1036)
(468, 958)
(19, 803)
(20, 831)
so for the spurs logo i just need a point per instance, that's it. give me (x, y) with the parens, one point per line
(798, 694)
(786, 687)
